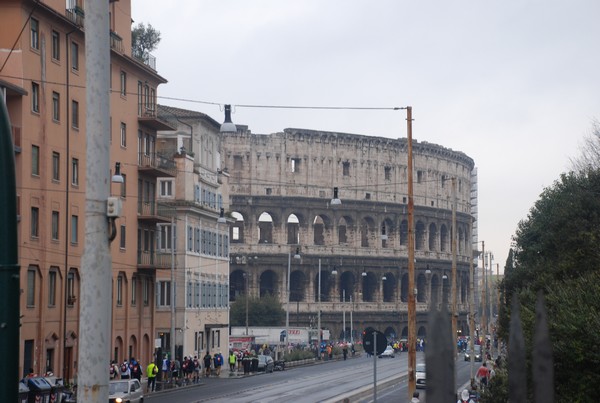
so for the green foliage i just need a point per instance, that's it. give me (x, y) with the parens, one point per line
(298, 354)
(497, 390)
(265, 311)
(144, 39)
(556, 251)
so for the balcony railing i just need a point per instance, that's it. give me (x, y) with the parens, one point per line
(116, 42)
(153, 259)
(75, 14)
(157, 163)
(145, 58)
(155, 211)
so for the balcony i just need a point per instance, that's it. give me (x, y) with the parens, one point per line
(148, 117)
(144, 57)
(156, 165)
(75, 14)
(153, 260)
(116, 42)
(16, 135)
(152, 212)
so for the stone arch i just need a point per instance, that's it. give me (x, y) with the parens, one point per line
(390, 333)
(443, 238)
(404, 288)
(327, 283)
(389, 287)
(267, 283)
(387, 233)
(347, 286)
(320, 226)
(133, 347)
(435, 291)
(293, 229)
(119, 353)
(367, 228)
(419, 235)
(446, 289)
(404, 233)
(461, 240)
(369, 286)
(147, 349)
(421, 332)
(433, 236)
(237, 284)
(421, 288)
(265, 228)
(236, 230)
(297, 286)
(345, 223)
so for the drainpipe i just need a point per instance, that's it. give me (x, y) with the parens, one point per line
(9, 265)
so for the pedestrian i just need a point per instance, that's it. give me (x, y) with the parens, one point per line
(415, 398)
(125, 372)
(218, 360)
(151, 371)
(113, 370)
(345, 351)
(166, 365)
(232, 361)
(483, 375)
(136, 370)
(196, 369)
(207, 364)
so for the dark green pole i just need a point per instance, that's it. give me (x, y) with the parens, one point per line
(9, 265)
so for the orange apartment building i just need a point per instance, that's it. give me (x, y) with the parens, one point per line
(42, 78)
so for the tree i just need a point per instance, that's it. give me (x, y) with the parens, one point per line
(590, 151)
(144, 39)
(265, 311)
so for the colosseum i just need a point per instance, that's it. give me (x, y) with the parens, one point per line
(281, 188)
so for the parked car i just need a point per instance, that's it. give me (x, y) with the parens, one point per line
(388, 352)
(125, 390)
(420, 376)
(265, 363)
(477, 349)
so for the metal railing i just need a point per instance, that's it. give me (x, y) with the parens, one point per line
(154, 209)
(157, 161)
(145, 58)
(153, 258)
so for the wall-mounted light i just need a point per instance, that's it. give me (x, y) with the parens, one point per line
(228, 126)
(117, 177)
(364, 274)
(383, 278)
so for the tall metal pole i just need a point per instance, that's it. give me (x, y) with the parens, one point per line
(491, 317)
(96, 263)
(412, 314)
(173, 299)
(319, 306)
(483, 327)
(287, 307)
(454, 254)
(247, 297)
(344, 313)
(472, 309)
(9, 264)
(351, 321)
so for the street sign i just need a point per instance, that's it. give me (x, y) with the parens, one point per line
(372, 338)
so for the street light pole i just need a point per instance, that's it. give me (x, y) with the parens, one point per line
(319, 306)
(287, 308)
(454, 255)
(247, 297)
(412, 314)
(344, 313)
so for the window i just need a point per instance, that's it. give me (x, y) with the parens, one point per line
(35, 160)
(164, 293)
(31, 286)
(75, 172)
(146, 291)
(35, 33)
(164, 237)
(120, 290)
(420, 176)
(123, 84)
(444, 179)
(35, 222)
(140, 98)
(74, 56)
(134, 281)
(124, 186)
(123, 135)
(388, 173)
(56, 106)
(346, 168)
(75, 114)
(166, 188)
(71, 298)
(55, 166)
(35, 97)
(55, 223)
(74, 229)
(123, 237)
(52, 288)
(295, 165)
(55, 45)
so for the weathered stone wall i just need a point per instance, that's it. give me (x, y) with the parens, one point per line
(293, 173)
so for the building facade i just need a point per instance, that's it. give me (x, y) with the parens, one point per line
(43, 82)
(354, 257)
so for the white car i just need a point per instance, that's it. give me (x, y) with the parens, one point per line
(125, 390)
(420, 376)
(389, 352)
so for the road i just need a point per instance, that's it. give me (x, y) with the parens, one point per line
(323, 382)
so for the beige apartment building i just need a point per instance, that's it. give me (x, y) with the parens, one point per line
(42, 78)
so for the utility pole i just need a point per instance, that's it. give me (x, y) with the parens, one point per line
(471, 308)
(483, 327)
(454, 254)
(9, 264)
(491, 305)
(96, 263)
(412, 314)
(173, 300)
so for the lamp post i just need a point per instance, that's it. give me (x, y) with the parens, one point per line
(287, 308)
(247, 281)
(319, 306)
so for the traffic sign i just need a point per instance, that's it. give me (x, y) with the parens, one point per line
(374, 340)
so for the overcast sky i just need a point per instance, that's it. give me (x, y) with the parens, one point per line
(512, 83)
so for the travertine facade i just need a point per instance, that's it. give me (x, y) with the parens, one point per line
(280, 190)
